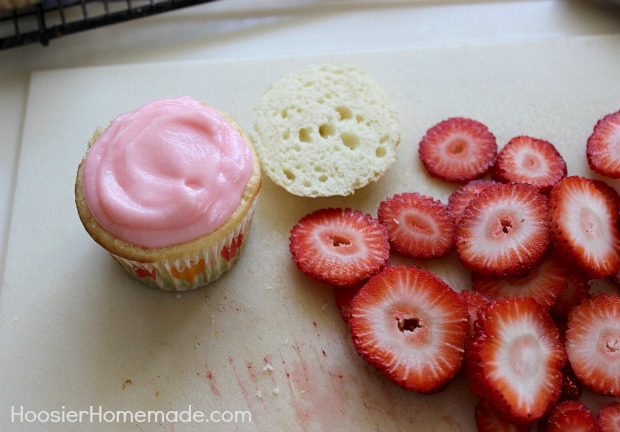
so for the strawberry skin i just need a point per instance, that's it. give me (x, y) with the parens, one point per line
(514, 361)
(530, 160)
(584, 227)
(458, 149)
(602, 147)
(609, 417)
(593, 343)
(411, 326)
(504, 231)
(418, 225)
(545, 282)
(339, 246)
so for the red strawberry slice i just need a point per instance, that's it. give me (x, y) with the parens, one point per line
(514, 361)
(339, 246)
(609, 192)
(418, 225)
(603, 146)
(530, 160)
(411, 326)
(504, 230)
(343, 296)
(577, 289)
(544, 282)
(488, 421)
(571, 386)
(609, 417)
(570, 416)
(593, 343)
(474, 301)
(584, 227)
(460, 198)
(458, 149)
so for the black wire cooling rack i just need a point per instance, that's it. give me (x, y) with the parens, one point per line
(52, 19)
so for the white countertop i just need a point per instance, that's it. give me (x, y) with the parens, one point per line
(248, 28)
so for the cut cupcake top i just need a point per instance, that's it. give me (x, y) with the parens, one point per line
(167, 173)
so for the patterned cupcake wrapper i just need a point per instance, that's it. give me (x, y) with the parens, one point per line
(195, 270)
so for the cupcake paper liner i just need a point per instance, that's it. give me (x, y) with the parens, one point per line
(198, 269)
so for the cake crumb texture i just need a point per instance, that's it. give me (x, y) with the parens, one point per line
(327, 130)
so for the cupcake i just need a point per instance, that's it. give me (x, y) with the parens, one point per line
(169, 191)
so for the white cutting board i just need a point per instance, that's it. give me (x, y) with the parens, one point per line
(76, 331)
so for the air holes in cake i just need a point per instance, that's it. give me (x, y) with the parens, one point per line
(327, 130)
(304, 135)
(380, 152)
(323, 178)
(384, 139)
(307, 183)
(286, 134)
(284, 113)
(289, 174)
(359, 118)
(344, 112)
(350, 140)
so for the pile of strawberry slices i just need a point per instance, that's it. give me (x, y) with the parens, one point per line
(528, 335)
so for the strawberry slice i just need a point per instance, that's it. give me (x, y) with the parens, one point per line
(584, 227)
(570, 416)
(544, 282)
(460, 198)
(504, 230)
(458, 149)
(530, 160)
(411, 326)
(593, 343)
(577, 289)
(488, 421)
(339, 246)
(514, 361)
(474, 301)
(609, 417)
(343, 296)
(571, 386)
(418, 225)
(602, 146)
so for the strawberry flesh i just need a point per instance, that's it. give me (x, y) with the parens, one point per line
(530, 160)
(343, 296)
(514, 361)
(488, 421)
(609, 417)
(545, 283)
(584, 227)
(576, 290)
(593, 343)
(460, 198)
(458, 149)
(339, 246)
(411, 326)
(570, 416)
(418, 225)
(504, 230)
(603, 146)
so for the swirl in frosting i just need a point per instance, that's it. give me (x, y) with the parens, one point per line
(169, 172)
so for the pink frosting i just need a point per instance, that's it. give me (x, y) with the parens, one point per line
(169, 172)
